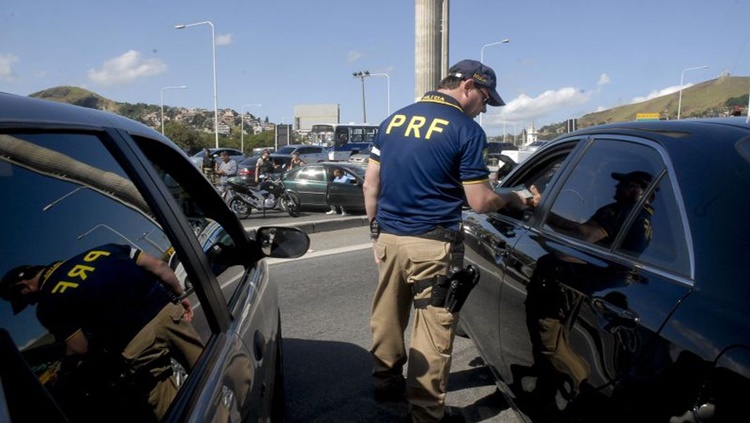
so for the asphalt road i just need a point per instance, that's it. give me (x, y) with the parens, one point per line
(325, 302)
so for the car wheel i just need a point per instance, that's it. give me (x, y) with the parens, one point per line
(240, 208)
(277, 413)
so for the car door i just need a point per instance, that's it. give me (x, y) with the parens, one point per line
(310, 182)
(583, 313)
(347, 194)
(86, 187)
(489, 241)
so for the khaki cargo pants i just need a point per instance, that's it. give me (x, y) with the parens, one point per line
(165, 335)
(403, 260)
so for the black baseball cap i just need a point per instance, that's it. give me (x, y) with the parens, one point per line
(481, 74)
(639, 177)
(11, 291)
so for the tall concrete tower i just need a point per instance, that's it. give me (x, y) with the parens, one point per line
(430, 44)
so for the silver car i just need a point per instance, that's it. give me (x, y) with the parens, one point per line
(76, 178)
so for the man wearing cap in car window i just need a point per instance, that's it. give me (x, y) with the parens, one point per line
(118, 299)
(426, 162)
(605, 223)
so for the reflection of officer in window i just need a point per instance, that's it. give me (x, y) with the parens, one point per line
(603, 226)
(118, 300)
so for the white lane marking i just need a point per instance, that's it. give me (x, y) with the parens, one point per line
(321, 253)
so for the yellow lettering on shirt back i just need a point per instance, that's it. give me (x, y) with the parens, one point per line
(62, 286)
(93, 255)
(416, 123)
(79, 271)
(434, 127)
(397, 121)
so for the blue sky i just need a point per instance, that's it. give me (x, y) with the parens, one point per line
(564, 58)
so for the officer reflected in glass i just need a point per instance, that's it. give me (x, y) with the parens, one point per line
(604, 225)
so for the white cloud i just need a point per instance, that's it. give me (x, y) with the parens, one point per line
(224, 39)
(659, 93)
(603, 80)
(353, 56)
(525, 108)
(125, 69)
(6, 67)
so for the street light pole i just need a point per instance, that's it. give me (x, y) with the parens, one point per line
(178, 87)
(682, 76)
(242, 125)
(213, 47)
(388, 81)
(481, 59)
(362, 75)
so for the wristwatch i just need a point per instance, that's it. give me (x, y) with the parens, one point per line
(374, 229)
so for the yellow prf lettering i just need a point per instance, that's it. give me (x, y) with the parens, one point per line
(434, 127)
(62, 286)
(397, 121)
(93, 255)
(414, 125)
(79, 271)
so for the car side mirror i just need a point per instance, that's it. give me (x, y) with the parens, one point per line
(282, 242)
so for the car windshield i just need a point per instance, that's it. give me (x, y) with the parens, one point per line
(286, 150)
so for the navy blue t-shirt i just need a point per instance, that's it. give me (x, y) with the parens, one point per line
(427, 151)
(103, 292)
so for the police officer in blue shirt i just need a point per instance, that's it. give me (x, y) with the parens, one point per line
(426, 162)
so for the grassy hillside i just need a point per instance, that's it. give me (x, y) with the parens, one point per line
(706, 99)
(77, 96)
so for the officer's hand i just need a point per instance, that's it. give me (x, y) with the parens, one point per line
(375, 251)
(188, 314)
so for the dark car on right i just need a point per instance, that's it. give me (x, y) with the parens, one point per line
(622, 296)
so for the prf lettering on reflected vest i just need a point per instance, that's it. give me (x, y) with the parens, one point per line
(414, 126)
(79, 271)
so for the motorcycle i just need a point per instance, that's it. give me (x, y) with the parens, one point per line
(269, 194)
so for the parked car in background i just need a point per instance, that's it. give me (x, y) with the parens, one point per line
(246, 168)
(313, 184)
(622, 296)
(308, 153)
(234, 154)
(80, 178)
(499, 147)
(534, 146)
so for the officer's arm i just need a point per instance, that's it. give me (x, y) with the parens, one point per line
(482, 199)
(371, 189)
(162, 270)
(76, 344)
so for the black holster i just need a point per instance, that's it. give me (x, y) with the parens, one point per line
(448, 291)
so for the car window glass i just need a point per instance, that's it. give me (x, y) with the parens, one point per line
(312, 173)
(611, 197)
(69, 195)
(209, 233)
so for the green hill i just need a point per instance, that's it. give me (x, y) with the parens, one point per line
(79, 97)
(709, 98)
(706, 99)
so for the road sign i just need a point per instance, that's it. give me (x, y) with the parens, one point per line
(647, 116)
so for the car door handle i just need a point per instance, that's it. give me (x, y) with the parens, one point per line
(612, 311)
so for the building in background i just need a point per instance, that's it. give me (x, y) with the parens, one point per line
(306, 115)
